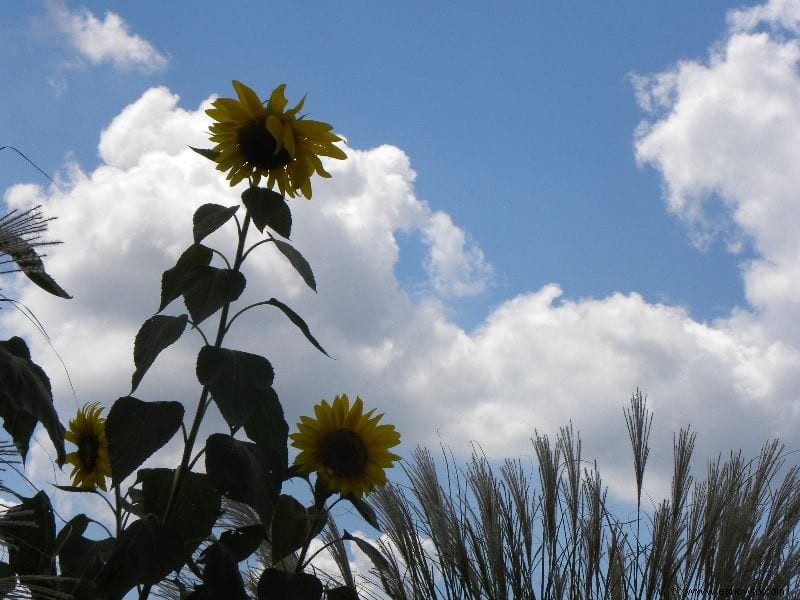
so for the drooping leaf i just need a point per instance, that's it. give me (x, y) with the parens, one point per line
(210, 217)
(145, 554)
(364, 509)
(243, 541)
(197, 506)
(19, 424)
(173, 279)
(292, 525)
(207, 152)
(299, 322)
(221, 577)
(157, 333)
(281, 585)
(239, 470)
(267, 427)
(299, 263)
(136, 429)
(238, 381)
(206, 289)
(78, 556)
(29, 530)
(378, 560)
(24, 386)
(268, 208)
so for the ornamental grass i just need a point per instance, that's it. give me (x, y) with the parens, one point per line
(481, 532)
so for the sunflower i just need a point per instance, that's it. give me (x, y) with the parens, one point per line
(254, 140)
(89, 463)
(346, 448)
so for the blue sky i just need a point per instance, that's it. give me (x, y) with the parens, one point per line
(544, 207)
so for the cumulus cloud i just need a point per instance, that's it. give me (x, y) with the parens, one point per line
(106, 41)
(724, 137)
(539, 359)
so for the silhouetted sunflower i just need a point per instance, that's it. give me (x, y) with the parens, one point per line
(346, 448)
(89, 462)
(254, 141)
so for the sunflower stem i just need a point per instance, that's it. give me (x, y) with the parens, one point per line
(203, 404)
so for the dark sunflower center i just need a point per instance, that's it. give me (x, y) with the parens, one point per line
(258, 146)
(88, 450)
(344, 452)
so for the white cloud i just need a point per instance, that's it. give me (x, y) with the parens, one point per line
(776, 13)
(725, 140)
(106, 41)
(538, 360)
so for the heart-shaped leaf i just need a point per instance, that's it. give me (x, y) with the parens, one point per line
(292, 526)
(221, 577)
(239, 470)
(238, 381)
(268, 208)
(145, 553)
(136, 429)
(267, 427)
(157, 333)
(210, 217)
(172, 279)
(196, 508)
(207, 289)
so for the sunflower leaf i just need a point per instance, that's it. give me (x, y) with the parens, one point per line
(135, 430)
(221, 577)
(78, 556)
(283, 584)
(238, 381)
(172, 279)
(145, 553)
(207, 152)
(196, 509)
(299, 263)
(267, 427)
(243, 541)
(29, 531)
(206, 289)
(158, 332)
(25, 388)
(237, 469)
(298, 320)
(210, 217)
(364, 509)
(292, 524)
(268, 208)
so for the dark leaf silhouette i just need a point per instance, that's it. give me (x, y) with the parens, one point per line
(136, 429)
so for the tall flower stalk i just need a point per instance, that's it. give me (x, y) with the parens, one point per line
(168, 520)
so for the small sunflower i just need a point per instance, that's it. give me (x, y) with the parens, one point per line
(89, 463)
(255, 140)
(347, 449)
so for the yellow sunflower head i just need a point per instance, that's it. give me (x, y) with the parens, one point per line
(346, 448)
(90, 465)
(255, 140)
